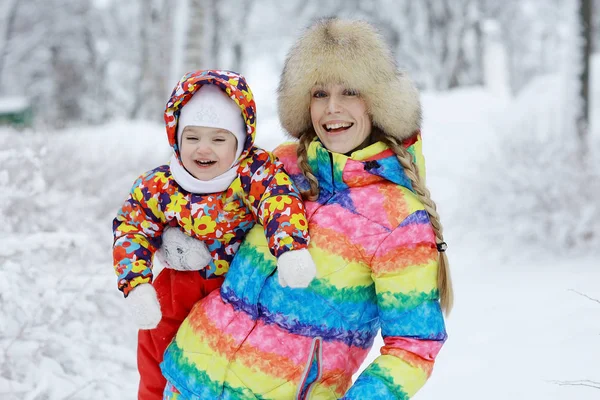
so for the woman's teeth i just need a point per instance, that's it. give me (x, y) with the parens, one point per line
(337, 126)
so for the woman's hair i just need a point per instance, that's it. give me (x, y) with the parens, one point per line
(410, 168)
(302, 151)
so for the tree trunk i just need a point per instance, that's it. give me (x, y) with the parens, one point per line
(144, 62)
(151, 89)
(585, 16)
(194, 52)
(238, 46)
(10, 26)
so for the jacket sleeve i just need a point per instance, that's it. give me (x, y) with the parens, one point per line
(404, 270)
(136, 230)
(276, 203)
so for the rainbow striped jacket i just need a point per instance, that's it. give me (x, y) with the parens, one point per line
(262, 192)
(376, 269)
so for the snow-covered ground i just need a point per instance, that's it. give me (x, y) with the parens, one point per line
(520, 330)
(521, 325)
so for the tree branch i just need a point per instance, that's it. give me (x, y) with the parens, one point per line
(587, 383)
(585, 295)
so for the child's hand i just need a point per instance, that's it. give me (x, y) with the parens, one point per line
(296, 268)
(144, 307)
(182, 252)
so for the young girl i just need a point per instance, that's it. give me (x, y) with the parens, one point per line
(217, 186)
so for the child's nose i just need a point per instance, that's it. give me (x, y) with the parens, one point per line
(203, 147)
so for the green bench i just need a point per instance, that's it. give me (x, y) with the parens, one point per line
(16, 112)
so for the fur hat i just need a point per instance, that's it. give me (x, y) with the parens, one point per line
(352, 53)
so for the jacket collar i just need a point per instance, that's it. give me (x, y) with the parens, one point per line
(337, 172)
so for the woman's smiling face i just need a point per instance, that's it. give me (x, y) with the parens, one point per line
(339, 117)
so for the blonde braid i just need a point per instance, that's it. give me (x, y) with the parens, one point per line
(410, 168)
(305, 139)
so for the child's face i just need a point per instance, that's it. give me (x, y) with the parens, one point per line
(207, 152)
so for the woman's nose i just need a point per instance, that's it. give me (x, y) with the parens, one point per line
(333, 105)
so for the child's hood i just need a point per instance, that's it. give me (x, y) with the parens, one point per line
(232, 83)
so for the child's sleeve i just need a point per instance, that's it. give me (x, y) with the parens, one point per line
(412, 325)
(137, 229)
(276, 202)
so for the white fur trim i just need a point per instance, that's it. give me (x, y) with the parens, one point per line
(296, 268)
(193, 185)
(144, 306)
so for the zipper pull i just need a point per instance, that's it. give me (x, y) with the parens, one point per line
(373, 164)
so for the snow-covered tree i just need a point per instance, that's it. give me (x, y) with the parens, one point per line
(537, 181)
(585, 20)
(437, 41)
(531, 32)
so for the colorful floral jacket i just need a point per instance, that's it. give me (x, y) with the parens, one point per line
(262, 193)
(376, 259)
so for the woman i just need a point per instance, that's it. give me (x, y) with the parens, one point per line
(375, 237)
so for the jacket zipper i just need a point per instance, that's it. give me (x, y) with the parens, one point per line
(304, 393)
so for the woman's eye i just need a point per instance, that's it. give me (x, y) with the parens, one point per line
(319, 94)
(350, 92)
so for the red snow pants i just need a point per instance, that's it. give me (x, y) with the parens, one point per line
(177, 291)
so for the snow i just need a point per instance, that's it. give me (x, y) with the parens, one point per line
(521, 325)
(518, 330)
(13, 104)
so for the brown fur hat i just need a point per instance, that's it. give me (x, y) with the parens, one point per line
(353, 54)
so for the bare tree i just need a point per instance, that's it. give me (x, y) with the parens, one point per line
(531, 34)
(201, 39)
(595, 28)
(585, 16)
(150, 90)
(239, 41)
(8, 33)
(71, 61)
(227, 33)
(438, 41)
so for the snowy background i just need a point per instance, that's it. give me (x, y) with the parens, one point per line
(516, 184)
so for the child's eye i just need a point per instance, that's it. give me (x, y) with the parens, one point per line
(318, 94)
(191, 138)
(218, 139)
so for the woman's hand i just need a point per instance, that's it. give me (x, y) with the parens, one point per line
(182, 252)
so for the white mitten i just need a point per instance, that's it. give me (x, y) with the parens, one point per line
(182, 252)
(296, 268)
(144, 306)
